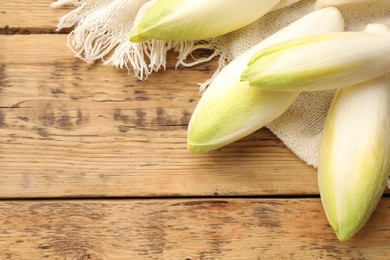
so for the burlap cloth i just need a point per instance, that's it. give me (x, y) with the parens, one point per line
(103, 27)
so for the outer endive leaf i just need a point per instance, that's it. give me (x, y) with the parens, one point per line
(320, 62)
(355, 155)
(198, 19)
(230, 109)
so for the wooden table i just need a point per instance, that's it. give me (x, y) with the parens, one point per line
(94, 165)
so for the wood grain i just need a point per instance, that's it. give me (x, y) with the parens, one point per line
(72, 129)
(24, 17)
(183, 229)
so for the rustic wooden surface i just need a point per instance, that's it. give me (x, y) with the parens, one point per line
(70, 131)
(183, 229)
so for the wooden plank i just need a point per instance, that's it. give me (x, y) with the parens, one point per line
(71, 129)
(25, 17)
(183, 229)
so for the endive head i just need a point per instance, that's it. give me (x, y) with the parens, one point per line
(200, 19)
(355, 153)
(230, 109)
(320, 62)
(223, 117)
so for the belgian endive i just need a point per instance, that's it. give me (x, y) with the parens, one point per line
(320, 62)
(230, 109)
(355, 154)
(198, 19)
